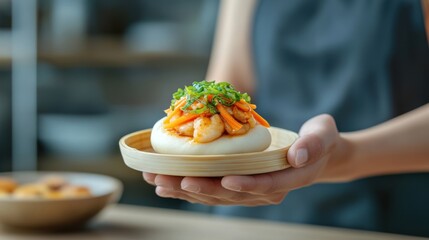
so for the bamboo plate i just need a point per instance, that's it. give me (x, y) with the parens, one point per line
(138, 154)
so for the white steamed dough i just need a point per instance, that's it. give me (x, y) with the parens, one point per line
(257, 139)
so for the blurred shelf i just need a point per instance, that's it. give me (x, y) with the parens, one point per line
(112, 52)
(104, 58)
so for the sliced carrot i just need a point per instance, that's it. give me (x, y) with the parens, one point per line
(181, 120)
(253, 106)
(180, 102)
(176, 110)
(260, 119)
(228, 118)
(210, 97)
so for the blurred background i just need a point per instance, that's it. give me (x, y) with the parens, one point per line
(77, 75)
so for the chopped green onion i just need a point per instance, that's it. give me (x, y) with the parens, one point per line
(222, 92)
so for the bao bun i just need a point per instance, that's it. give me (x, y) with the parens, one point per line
(166, 142)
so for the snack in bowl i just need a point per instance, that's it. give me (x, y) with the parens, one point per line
(51, 201)
(7, 185)
(48, 187)
(209, 118)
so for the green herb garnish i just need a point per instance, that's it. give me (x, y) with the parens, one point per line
(199, 92)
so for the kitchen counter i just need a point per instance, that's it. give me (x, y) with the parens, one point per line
(133, 222)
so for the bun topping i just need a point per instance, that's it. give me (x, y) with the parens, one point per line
(207, 110)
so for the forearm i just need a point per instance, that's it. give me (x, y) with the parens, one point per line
(400, 145)
(397, 146)
(231, 58)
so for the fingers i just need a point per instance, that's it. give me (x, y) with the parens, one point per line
(168, 182)
(242, 199)
(171, 193)
(253, 190)
(207, 186)
(257, 184)
(208, 191)
(149, 178)
(275, 182)
(317, 137)
(212, 187)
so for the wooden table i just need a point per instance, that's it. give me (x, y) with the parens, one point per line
(132, 222)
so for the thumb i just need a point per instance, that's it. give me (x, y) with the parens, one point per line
(317, 137)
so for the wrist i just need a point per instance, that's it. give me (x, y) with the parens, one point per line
(341, 164)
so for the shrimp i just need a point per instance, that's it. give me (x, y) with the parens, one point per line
(229, 110)
(252, 122)
(186, 129)
(243, 130)
(241, 116)
(208, 129)
(196, 105)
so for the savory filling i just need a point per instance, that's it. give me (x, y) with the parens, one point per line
(206, 111)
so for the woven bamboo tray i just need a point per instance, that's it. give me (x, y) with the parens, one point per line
(138, 154)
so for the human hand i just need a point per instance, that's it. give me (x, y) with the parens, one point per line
(314, 157)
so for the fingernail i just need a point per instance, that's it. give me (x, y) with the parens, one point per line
(150, 182)
(148, 179)
(162, 192)
(191, 188)
(158, 184)
(301, 157)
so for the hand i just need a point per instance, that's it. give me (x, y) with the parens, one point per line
(313, 157)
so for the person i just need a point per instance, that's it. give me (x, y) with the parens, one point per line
(364, 63)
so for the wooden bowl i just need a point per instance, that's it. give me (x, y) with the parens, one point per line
(66, 213)
(138, 154)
